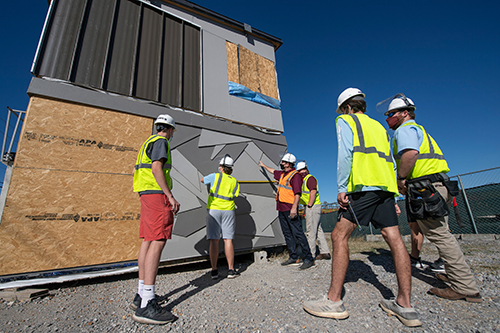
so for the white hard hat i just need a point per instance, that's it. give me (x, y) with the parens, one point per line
(400, 102)
(346, 94)
(289, 158)
(301, 165)
(227, 161)
(165, 119)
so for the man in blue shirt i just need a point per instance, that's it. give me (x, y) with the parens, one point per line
(366, 187)
(422, 177)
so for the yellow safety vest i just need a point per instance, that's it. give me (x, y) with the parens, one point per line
(304, 198)
(372, 163)
(223, 191)
(143, 174)
(430, 159)
(285, 192)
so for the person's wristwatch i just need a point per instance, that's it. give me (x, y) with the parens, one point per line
(309, 206)
(401, 178)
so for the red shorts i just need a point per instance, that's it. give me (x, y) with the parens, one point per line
(157, 218)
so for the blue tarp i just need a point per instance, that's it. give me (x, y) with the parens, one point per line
(239, 90)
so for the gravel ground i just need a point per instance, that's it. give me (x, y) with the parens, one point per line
(266, 298)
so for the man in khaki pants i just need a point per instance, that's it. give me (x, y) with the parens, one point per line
(422, 177)
(312, 207)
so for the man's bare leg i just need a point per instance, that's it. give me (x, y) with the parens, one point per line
(401, 264)
(229, 252)
(214, 253)
(340, 257)
(417, 239)
(152, 260)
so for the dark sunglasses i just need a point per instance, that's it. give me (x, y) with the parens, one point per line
(393, 113)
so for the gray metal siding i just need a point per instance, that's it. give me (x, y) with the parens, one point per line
(148, 62)
(90, 60)
(60, 43)
(122, 54)
(171, 79)
(123, 46)
(191, 88)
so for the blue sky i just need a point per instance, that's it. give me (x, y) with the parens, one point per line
(445, 55)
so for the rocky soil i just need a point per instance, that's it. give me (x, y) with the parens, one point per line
(266, 298)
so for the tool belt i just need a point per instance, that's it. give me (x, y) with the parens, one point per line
(424, 201)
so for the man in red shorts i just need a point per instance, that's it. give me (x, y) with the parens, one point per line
(153, 183)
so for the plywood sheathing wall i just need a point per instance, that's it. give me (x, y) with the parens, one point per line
(70, 202)
(233, 74)
(251, 70)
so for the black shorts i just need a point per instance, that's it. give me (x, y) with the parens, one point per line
(376, 207)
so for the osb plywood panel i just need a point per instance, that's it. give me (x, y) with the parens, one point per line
(267, 77)
(232, 62)
(65, 136)
(65, 206)
(248, 69)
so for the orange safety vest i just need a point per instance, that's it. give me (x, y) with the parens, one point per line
(285, 192)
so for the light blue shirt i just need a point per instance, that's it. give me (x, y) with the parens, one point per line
(408, 137)
(344, 161)
(210, 179)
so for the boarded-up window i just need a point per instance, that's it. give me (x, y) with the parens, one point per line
(251, 70)
(123, 46)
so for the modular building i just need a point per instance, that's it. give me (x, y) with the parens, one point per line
(103, 71)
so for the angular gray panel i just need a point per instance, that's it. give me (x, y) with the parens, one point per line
(170, 90)
(247, 169)
(234, 150)
(147, 78)
(273, 151)
(211, 138)
(262, 189)
(56, 56)
(254, 152)
(122, 51)
(217, 150)
(91, 56)
(191, 91)
(263, 213)
(190, 222)
(277, 240)
(184, 134)
(186, 198)
(200, 157)
(187, 170)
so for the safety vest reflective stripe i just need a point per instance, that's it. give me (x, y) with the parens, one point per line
(362, 146)
(144, 179)
(216, 194)
(372, 163)
(304, 198)
(285, 192)
(432, 154)
(430, 159)
(149, 166)
(230, 189)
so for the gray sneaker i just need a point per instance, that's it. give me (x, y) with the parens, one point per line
(408, 316)
(326, 308)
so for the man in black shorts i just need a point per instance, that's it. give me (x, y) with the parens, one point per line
(366, 186)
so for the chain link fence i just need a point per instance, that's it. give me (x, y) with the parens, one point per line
(478, 206)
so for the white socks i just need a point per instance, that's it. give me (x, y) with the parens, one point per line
(141, 287)
(147, 293)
